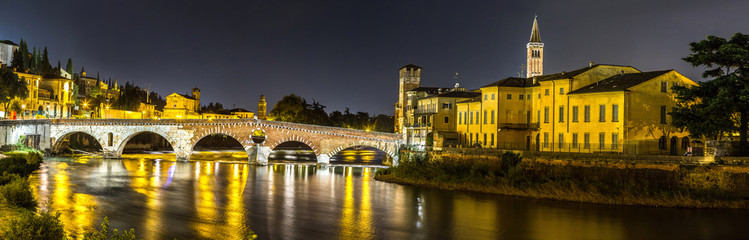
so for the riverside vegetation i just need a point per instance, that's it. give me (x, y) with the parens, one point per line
(708, 186)
(19, 216)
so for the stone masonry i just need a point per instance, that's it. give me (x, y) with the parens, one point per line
(113, 134)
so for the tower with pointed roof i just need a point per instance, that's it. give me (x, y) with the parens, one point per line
(262, 108)
(409, 78)
(535, 52)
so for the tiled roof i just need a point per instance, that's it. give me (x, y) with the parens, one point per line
(512, 82)
(457, 94)
(619, 82)
(570, 74)
(239, 110)
(9, 42)
(409, 66)
(185, 96)
(429, 90)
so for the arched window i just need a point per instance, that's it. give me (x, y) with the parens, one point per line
(662, 143)
(684, 142)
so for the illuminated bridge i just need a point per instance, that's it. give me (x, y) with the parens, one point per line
(183, 135)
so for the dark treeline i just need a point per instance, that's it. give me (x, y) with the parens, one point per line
(35, 61)
(293, 108)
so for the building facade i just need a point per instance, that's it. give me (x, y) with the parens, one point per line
(182, 106)
(597, 108)
(409, 78)
(7, 48)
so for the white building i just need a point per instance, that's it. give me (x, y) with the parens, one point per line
(6, 51)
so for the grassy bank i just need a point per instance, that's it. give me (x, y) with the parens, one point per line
(622, 184)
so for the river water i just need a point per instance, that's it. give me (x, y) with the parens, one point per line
(222, 198)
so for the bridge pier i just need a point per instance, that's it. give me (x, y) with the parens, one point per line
(323, 160)
(258, 155)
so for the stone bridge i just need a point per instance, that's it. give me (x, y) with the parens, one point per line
(113, 135)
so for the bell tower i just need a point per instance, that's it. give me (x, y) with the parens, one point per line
(261, 108)
(535, 52)
(409, 78)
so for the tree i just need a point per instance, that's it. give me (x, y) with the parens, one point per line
(11, 87)
(69, 67)
(719, 106)
(45, 66)
(289, 109)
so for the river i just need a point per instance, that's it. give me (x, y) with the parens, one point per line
(218, 196)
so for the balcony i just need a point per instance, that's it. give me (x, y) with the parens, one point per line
(418, 125)
(425, 111)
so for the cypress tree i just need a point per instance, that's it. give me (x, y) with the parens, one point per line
(34, 62)
(46, 66)
(69, 67)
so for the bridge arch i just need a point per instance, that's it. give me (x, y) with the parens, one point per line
(58, 142)
(126, 137)
(195, 140)
(295, 138)
(379, 146)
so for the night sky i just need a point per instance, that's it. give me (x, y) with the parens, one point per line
(346, 53)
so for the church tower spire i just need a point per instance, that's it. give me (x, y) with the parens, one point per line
(535, 52)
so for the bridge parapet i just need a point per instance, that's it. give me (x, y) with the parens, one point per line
(113, 134)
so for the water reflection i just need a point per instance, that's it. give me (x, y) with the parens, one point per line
(222, 199)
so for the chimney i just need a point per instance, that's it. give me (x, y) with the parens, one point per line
(590, 64)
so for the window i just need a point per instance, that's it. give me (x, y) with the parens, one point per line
(586, 140)
(574, 140)
(586, 114)
(663, 114)
(447, 120)
(529, 96)
(471, 117)
(539, 96)
(484, 139)
(493, 116)
(538, 116)
(485, 96)
(601, 140)
(484, 118)
(465, 118)
(561, 140)
(684, 143)
(509, 96)
(614, 140)
(446, 106)
(492, 96)
(574, 113)
(602, 113)
(546, 114)
(470, 139)
(477, 121)
(492, 140)
(662, 143)
(546, 92)
(561, 91)
(664, 86)
(460, 118)
(546, 140)
(615, 113)
(520, 96)
(561, 113)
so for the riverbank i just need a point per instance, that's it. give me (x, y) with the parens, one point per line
(710, 186)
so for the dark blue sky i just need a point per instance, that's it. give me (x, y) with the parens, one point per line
(346, 53)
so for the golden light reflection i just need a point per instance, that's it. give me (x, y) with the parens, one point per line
(76, 208)
(235, 212)
(205, 203)
(350, 225)
(469, 213)
(147, 181)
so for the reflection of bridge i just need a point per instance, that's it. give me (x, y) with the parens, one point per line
(113, 134)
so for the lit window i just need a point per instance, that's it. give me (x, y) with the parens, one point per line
(561, 91)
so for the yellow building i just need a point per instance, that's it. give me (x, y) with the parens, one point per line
(179, 106)
(48, 97)
(435, 116)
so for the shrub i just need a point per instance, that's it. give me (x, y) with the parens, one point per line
(45, 225)
(18, 193)
(382, 171)
(22, 165)
(6, 178)
(104, 233)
